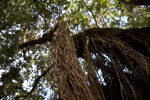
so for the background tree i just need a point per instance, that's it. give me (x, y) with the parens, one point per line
(62, 49)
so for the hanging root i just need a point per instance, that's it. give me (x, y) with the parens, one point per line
(125, 70)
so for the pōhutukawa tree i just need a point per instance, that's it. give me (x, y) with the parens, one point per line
(74, 59)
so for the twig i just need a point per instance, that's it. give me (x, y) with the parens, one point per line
(92, 13)
(35, 83)
(37, 80)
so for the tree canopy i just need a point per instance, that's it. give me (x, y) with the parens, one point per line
(75, 49)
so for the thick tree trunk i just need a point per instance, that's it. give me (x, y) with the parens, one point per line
(71, 83)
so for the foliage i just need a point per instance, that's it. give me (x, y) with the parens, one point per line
(25, 20)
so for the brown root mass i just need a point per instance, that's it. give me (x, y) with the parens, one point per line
(122, 56)
(114, 52)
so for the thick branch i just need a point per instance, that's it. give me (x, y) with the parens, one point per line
(136, 2)
(46, 37)
(137, 38)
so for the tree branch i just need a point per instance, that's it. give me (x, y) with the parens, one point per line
(35, 83)
(136, 2)
(37, 80)
(91, 12)
(46, 37)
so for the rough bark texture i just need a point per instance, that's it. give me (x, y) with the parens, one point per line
(71, 83)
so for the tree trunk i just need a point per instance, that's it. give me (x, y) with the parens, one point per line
(71, 83)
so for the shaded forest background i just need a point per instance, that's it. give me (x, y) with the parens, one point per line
(75, 49)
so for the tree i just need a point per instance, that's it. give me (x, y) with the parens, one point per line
(86, 52)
